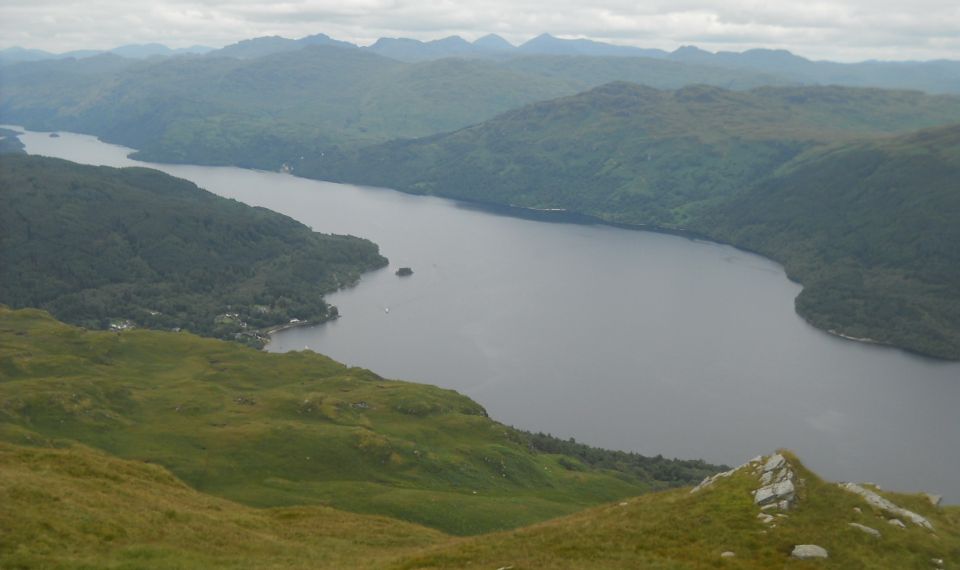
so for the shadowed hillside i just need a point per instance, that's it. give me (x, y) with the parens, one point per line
(871, 231)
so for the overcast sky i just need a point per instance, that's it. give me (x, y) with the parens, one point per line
(845, 30)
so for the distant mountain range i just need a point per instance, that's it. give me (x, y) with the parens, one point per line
(132, 51)
(939, 76)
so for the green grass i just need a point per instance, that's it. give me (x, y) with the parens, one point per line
(74, 507)
(674, 529)
(293, 429)
(149, 449)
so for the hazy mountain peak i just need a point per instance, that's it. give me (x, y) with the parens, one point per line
(493, 42)
(689, 50)
(267, 45)
(451, 41)
(542, 38)
(548, 44)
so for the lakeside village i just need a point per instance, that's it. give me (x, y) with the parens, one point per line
(231, 321)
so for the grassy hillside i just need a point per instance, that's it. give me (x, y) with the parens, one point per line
(293, 429)
(680, 530)
(97, 246)
(871, 230)
(74, 507)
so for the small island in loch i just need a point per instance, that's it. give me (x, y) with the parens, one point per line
(404, 272)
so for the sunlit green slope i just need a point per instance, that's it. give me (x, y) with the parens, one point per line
(292, 429)
(683, 530)
(76, 507)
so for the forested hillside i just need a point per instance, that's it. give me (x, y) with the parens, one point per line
(709, 160)
(632, 154)
(871, 231)
(99, 246)
(269, 110)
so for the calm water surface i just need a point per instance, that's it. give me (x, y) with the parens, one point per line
(625, 339)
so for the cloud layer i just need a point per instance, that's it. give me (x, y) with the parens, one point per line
(843, 30)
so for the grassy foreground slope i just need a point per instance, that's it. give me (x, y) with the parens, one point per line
(801, 174)
(680, 530)
(292, 429)
(75, 507)
(96, 244)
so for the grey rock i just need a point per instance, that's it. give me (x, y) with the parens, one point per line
(764, 495)
(765, 518)
(784, 474)
(934, 499)
(776, 492)
(776, 461)
(708, 481)
(897, 523)
(871, 531)
(809, 552)
(727, 554)
(879, 502)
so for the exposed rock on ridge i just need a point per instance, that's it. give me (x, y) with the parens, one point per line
(879, 502)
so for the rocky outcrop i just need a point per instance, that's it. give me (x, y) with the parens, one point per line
(777, 484)
(876, 501)
(708, 481)
(809, 552)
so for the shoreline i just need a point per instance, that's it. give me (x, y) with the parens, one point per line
(549, 215)
(865, 340)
